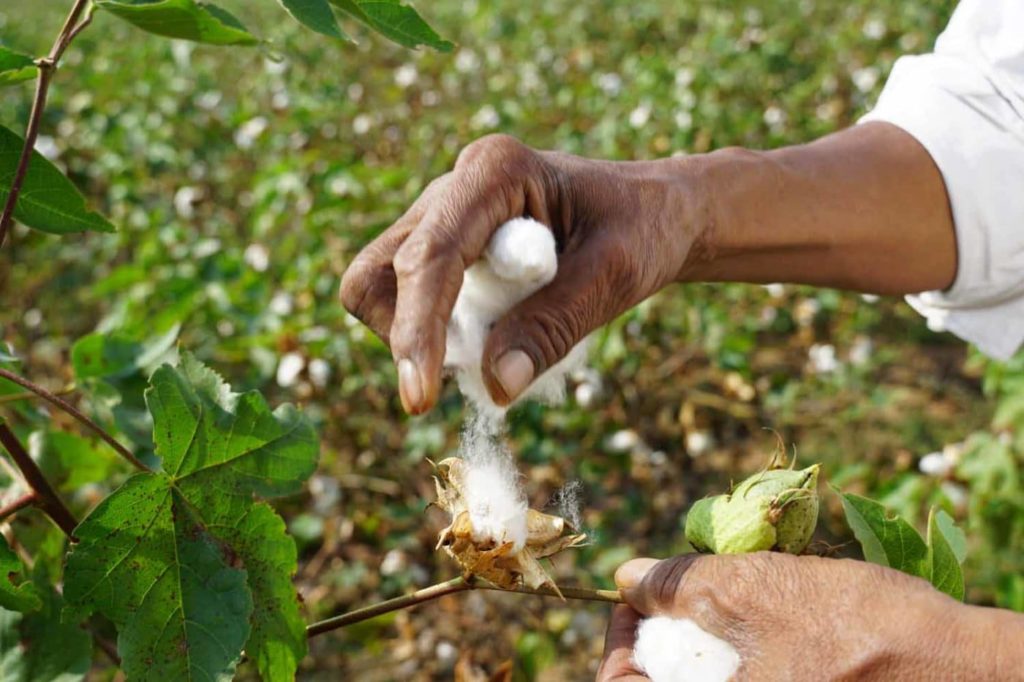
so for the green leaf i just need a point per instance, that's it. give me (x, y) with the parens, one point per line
(115, 356)
(15, 67)
(277, 642)
(885, 538)
(16, 592)
(946, 546)
(398, 22)
(315, 14)
(69, 460)
(184, 559)
(48, 201)
(185, 19)
(953, 534)
(38, 647)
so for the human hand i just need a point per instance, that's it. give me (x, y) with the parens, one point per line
(624, 230)
(806, 618)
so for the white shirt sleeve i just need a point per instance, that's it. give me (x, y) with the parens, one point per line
(965, 104)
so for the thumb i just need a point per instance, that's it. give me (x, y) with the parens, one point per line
(663, 587)
(542, 329)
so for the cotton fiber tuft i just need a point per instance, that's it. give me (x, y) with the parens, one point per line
(679, 650)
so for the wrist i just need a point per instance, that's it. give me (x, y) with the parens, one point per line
(864, 209)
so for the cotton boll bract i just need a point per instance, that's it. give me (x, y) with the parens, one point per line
(679, 650)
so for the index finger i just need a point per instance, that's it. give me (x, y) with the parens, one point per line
(368, 286)
(484, 192)
(617, 664)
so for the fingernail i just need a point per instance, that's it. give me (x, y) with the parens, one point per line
(631, 573)
(409, 385)
(514, 372)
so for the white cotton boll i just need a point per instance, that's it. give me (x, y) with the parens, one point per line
(319, 372)
(520, 259)
(623, 441)
(288, 369)
(496, 511)
(935, 464)
(679, 650)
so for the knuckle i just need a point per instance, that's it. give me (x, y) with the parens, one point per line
(496, 148)
(354, 285)
(419, 251)
(671, 582)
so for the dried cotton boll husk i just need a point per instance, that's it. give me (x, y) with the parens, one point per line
(679, 650)
(483, 540)
(775, 509)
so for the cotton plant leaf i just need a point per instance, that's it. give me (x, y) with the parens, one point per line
(394, 20)
(39, 647)
(48, 201)
(200, 22)
(885, 538)
(15, 67)
(184, 559)
(258, 537)
(17, 593)
(116, 356)
(70, 461)
(946, 551)
(316, 15)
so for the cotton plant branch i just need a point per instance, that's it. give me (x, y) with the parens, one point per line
(455, 585)
(16, 505)
(44, 496)
(28, 395)
(73, 411)
(47, 65)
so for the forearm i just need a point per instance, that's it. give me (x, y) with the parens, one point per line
(996, 638)
(864, 209)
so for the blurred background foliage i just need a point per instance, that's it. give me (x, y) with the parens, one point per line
(244, 181)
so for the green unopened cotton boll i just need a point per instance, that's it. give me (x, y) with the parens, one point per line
(771, 510)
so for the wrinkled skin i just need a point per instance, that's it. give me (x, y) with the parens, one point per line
(810, 618)
(622, 230)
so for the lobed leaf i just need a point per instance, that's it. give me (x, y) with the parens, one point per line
(395, 21)
(16, 592)
(316, 15)
(48, 201)
(15, 67)
(185, 19)
(886, 538)
(184, 560)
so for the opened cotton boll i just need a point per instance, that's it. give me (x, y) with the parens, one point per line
(520, 259)
(497, 507)
(679, 650)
